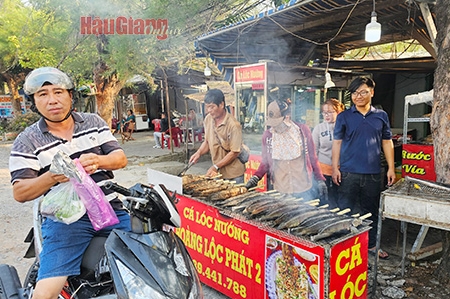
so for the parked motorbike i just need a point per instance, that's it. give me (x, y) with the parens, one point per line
(149, 262)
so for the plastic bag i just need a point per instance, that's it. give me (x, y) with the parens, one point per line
(62, 204)
(98, 208)
(244, 155)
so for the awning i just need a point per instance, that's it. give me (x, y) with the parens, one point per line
(224, 86)
(298, 32)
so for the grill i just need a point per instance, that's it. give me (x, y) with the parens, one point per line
(419, 188)
(416, 201)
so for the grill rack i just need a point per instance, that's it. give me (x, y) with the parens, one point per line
(420, 189)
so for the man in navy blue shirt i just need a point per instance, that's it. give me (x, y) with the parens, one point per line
(359, 135)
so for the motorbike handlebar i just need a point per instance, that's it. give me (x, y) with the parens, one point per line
(118, 188)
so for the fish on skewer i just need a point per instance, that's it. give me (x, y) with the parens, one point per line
(245, 204)
(311, 220)
(280, 209)
(295, 221)
(302, 207)
(208, 192)
(233, 201)
(190, 178)
(317, 226)
(344, 225)
(200, 181)
(261, 202)
(209, 185)
(265, 207)
(227, 193)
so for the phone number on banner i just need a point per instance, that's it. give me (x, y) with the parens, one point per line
(217, 278)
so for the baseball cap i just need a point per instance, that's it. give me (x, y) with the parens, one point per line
(36, 79)
(274, 117)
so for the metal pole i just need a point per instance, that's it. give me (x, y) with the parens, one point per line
(377, 247)
(169, 116)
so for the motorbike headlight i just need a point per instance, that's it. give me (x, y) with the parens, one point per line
(196, 291)
(136, 287)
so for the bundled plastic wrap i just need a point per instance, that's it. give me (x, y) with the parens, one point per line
(62, 204)
(98, 208)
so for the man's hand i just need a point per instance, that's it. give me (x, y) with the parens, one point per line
(336, 176)
(90, 162)
(194, 158)
(252, 182)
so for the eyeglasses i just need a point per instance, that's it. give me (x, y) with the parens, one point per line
(326, 113)
(362, 93)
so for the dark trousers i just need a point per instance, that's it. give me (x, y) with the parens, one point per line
(332, 189)
(361, 193)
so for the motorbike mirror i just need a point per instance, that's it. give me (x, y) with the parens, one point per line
(174, 216)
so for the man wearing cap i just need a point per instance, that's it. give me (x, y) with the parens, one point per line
(289, 156)
(79, 135)
(223, 139)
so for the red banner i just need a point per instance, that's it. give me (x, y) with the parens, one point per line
(348, 268)
(418, 161)
(251, 167)
(241, 259)
(250, 73)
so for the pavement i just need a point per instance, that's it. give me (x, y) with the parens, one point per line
(140, 151)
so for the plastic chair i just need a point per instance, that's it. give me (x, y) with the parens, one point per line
(199, 135)
(177, 136)
(156, 124)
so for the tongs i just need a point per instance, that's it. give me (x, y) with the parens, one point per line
(183, 172)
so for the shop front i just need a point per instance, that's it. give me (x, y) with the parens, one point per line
(256, 85)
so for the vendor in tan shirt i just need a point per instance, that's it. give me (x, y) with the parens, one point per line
(223, 139)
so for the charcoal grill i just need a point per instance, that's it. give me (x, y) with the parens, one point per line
(416, 201)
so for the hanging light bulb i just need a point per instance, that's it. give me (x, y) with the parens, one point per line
(207, 71)
(328, 82)
(373, 29)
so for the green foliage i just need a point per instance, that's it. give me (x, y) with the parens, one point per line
(20, 122)
(403, 49)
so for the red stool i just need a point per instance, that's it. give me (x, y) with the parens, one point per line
(177, 137)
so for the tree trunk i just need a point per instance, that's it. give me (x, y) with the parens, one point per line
(11, 80)
(108, 86)
(440, 118)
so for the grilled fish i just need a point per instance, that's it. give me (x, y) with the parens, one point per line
(317, 226)
(281, 209)
(293, 211)
(224, 194)
(233, 201)
(344, 225)
(295, 221)
(243, 205)
(310, 221)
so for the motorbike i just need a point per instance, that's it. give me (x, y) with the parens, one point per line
(151, 261)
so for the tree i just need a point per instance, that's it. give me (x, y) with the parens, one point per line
(113, 58)
(440, 118)
(29, 38)
(12, 17)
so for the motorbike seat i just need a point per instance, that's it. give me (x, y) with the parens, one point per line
(91, 257)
